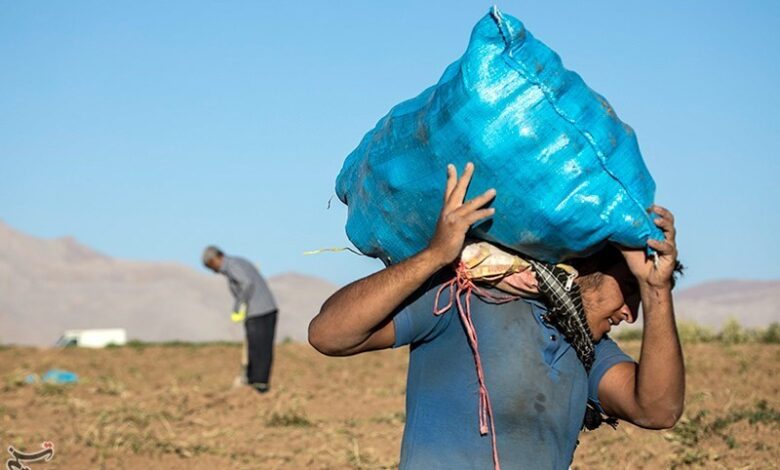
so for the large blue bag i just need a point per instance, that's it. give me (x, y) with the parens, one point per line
(568, 172)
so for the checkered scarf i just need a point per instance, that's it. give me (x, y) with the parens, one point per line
(565, 309)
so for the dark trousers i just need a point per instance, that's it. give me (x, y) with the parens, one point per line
(260, 333)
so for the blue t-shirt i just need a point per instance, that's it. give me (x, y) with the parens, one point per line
(537, 386)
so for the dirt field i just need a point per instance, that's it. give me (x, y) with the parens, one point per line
(173, 407)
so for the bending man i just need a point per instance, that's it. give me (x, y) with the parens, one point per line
(255, 306)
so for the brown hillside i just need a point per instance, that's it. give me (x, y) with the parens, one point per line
(47, 286)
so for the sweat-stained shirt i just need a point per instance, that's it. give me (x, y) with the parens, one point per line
(247, 286)
(537, 386)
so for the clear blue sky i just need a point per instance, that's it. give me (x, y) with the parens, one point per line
(150, 129)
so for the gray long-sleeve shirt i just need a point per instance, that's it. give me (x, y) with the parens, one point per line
(247, 286)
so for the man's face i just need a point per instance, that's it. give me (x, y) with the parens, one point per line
(214, 264)
(613, 299)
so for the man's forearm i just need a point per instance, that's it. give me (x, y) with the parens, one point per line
(660, 379)
(245, 287)
(351, 315)
(244, 295)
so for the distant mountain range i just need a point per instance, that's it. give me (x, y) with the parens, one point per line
(752, 303)
(48, 286)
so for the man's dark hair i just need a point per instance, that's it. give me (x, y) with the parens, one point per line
(210, 253)
(592, 268)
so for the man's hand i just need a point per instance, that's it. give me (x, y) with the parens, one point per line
(239, 315)
(456, 217)
(646, 270)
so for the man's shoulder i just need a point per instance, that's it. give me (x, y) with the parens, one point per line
(441, 290)
(432, 307)
(240, 261)
(234, 265)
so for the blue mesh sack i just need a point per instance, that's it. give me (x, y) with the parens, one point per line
(568, 172)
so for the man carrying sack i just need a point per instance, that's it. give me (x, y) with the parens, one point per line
(495, 376)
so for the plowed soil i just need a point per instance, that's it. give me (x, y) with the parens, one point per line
(173, 407)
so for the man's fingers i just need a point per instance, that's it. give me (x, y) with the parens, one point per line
(476, 216)
(456, 198)
(667, 226)
(476, 203)
(663, 212)
(452, 179)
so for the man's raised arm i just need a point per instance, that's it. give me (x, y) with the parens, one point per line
(358, 317)
(651, 394)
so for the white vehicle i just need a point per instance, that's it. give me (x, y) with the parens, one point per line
(93, 338)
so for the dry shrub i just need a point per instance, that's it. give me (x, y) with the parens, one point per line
(289, 417)
(137, 430)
